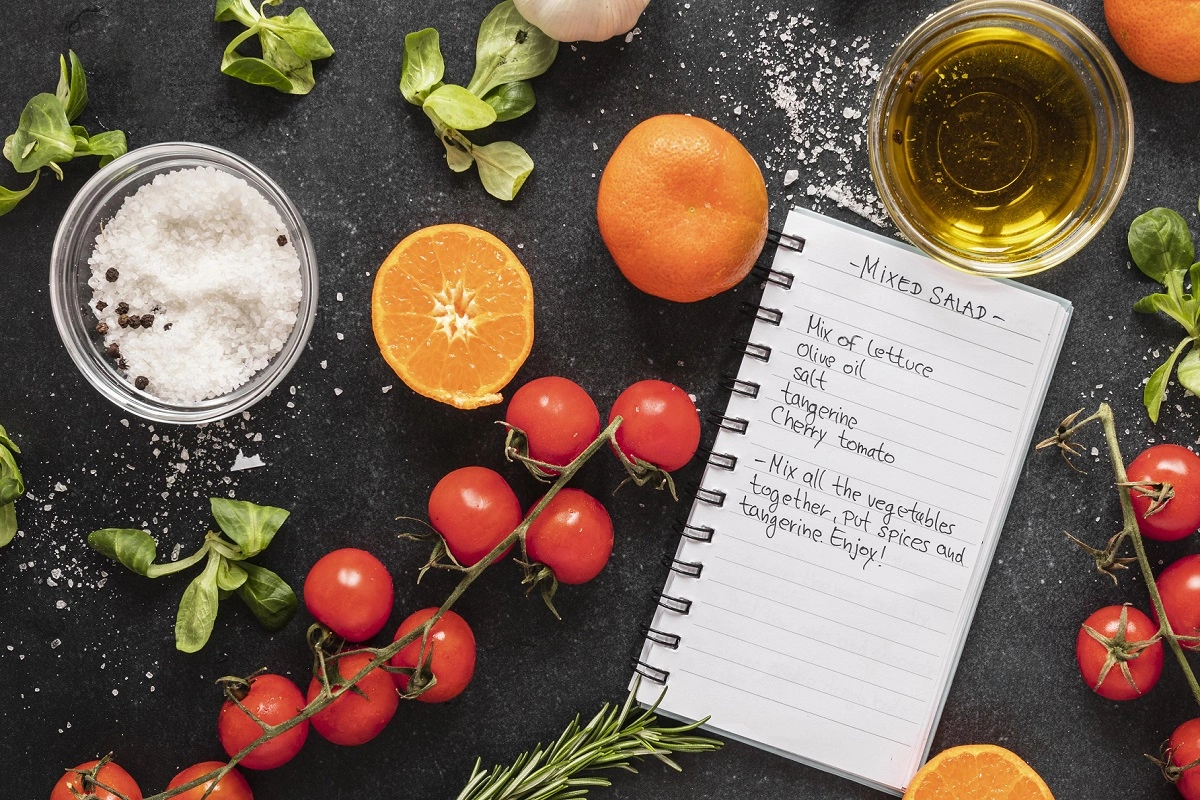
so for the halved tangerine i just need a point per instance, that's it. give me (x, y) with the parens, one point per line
(977, 772)
(452, 312)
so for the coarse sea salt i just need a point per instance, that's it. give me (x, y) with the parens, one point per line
(200, 250)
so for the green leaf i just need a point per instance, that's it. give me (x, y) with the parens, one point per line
(8, 523)
(77, 96)
(270, 599)
(509, 49)
(198, 608)
(9, 198)
(458, 159)
(1159, 242)
(503, 168)
(511, 100)
(459, 109)
(1163, 303)
(109, 145)
(4, 438)
(1188, 373)
(1153, 303)
(423, 66)
(242, 11)
(255, 71)
(280, 55)
(63, 92)
(11, 489)
(133, 548)
(230, 575)
(301, 33)
(1156, 387)
(250, 526)
(43, 135)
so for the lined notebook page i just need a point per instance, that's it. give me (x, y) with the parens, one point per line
(850, 547)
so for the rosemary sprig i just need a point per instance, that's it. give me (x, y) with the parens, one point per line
(611, 740)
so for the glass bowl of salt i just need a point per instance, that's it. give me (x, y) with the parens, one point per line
(183, 283)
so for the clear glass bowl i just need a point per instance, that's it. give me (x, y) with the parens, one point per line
(1106, 93)
(70, 294)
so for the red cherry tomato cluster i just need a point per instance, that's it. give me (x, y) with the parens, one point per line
(1119, 653)
(350, 591)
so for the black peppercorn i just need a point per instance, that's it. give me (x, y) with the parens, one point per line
(123, 320)
(102, 328)
(135, 321)
(281, 241)
(111, 275)
(897, 136)
(147, 320)
(121, 364)
(101, 305)
(113, 351)
(141, 382)
(122, 307)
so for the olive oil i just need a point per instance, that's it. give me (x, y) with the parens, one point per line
(993, 139)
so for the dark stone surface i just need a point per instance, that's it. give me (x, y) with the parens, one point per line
(365, 171)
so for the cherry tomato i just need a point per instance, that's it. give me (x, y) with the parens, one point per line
(558, 417)
(111, 775)
(350, 592)
(660, 424)
(473, 508)
(573, 536)
(354, 718)
(232, 787)
(1167, 463)
(1145, 667)
(1179, 586)
(273, 699)
(453, 658)
(1184, 746)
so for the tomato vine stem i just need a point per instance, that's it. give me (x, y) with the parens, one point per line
(381, 655)
(1129, 529)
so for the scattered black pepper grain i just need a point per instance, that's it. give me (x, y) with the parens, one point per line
(121, 364)
(122, 307)
(897, 136)
(147, 320)
(101, 305)
(281, 241)
(113, 350)
(111, 275)
(141, 382)
(123, 320)
(167, 327)
(102, 328)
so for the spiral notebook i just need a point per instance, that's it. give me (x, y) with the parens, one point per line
(831, 563)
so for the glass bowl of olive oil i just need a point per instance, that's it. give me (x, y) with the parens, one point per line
(1001, 136)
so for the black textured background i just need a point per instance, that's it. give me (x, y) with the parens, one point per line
(87, 662)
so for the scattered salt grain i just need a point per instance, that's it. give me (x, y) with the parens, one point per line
(790, 177)
(198, 251)
(341, 336)
(243, 461)
(387, 388)
(339, 297)
(337, 391)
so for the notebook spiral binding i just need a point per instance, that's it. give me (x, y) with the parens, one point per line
(771, 316)
(760, 352)
(726, 461)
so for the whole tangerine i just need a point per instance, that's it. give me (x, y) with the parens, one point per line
(1161, 37)
(682, 208)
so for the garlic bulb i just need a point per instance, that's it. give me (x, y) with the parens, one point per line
(572, 20)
